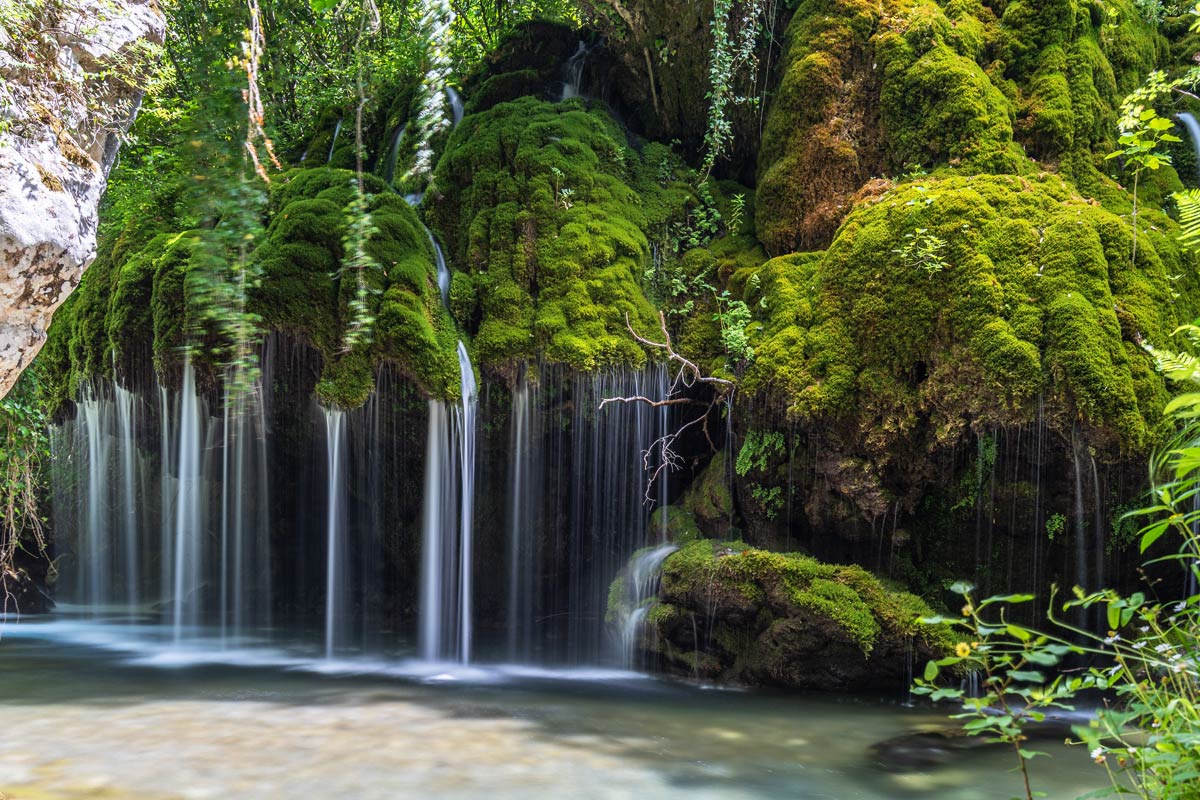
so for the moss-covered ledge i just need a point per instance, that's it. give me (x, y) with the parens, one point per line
(731, 612)
(136, 300)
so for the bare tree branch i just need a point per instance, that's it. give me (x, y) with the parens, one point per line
(661, 455)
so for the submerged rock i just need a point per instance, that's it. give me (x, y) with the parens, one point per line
(730, 612)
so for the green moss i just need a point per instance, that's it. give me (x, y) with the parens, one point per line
(1038, 298)
(142, 300)
(954, 86)
(675, 523)
(748, 589)
(548, 210)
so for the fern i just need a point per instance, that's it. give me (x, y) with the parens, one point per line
(1188, 203)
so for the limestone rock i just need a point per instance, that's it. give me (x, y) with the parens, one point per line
(66, 98)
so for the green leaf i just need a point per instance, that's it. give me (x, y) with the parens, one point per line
(931, 671)
(961, 587)
(1153, 533)
(1042, 658)
(1019, 632)
(1028, 676)
(1114, 616)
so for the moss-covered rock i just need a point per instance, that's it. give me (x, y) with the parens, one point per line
(870, 89)
(730, 612)
(548, 209)
(949, 305)
(141, 303)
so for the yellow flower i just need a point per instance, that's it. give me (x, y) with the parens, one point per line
(962, 649)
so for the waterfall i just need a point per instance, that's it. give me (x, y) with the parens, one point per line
(127, 520)
(95, 551)
(1193, 129)
(573, 73)
(393, 152)
(167, 493)
(447, 530)
(466, 426)
(335, 430)
(438, 515)
(188, 509)
(524, 469)
(245, 562)
(641, 584)
(333, 141)
(443, 271)
(456, 105)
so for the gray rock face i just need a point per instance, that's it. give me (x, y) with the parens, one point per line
(67, 94)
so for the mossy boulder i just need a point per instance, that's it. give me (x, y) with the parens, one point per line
(548, 208)
(871, 89)
(950, 306)
(730, 612)
(142, 303)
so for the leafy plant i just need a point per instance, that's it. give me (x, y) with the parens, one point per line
(362, 266)
(24, 447)
(734, 317)
(757, 450)
(1011, 661)
(1142, 131)
(1055, 525)
(923, 250)
(703, 223)
(737, 211)
(735, 36)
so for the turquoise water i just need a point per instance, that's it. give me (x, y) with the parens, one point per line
(102, 711)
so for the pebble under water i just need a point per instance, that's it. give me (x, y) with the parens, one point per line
(93, 710)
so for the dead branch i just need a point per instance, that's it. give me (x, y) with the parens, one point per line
(661, 455)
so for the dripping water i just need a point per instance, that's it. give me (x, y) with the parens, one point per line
(642, 584)
(573, 73)
(335, 430)
(456, 105)
(1193, 129)
(393, 153)
(333, 141)
(188, 511)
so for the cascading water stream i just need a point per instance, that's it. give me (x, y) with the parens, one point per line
(333, 140)
(393, 153)
(456, 105)
(644, 574)
(188, 509)
(335, 431)
(125, 402)
(1193, 129)
(573, 73)
(522, 538)
(95, 552)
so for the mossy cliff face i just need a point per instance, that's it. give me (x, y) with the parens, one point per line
(870, 89)
(729, 612)
(888, 353)
(548, 209)
(137, 301)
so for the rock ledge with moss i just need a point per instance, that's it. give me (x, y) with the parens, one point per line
(734, 613)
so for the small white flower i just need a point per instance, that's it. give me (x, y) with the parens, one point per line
(1138, 645)
(1180, 606)
(1110, 639)
(1099, 751)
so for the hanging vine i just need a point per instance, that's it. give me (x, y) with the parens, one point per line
(735, 31)
(432, 118)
